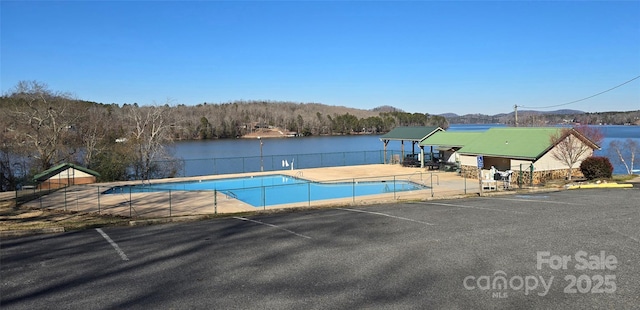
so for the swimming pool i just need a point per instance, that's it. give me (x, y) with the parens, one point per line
(261, 191)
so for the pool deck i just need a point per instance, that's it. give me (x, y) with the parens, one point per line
(86, 198)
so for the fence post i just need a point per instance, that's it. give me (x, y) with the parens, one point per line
(169, 203)
(464, 176)
(309, 193)
(353, 190)
(98, 199)
(531, 175)
(65, 198)
(215, 201)
(432, 184)
(394, 187)
(184, 167)
(130, 206)
(264, 198)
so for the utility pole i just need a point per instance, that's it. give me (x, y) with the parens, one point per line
(515, 110)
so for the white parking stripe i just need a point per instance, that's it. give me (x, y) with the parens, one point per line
(471, 207)
(632, 238)
(536, 200)
(387, 215)
(271, 225)
(113, 244)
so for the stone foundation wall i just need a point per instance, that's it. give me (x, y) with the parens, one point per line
(539, 177)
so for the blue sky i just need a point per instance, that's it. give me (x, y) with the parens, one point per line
(419, 56)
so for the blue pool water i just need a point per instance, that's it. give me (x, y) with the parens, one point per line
(270, 190)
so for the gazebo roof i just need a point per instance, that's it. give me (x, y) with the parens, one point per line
(415, 134)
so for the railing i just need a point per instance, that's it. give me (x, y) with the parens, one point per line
(138, 201)
(229, 165)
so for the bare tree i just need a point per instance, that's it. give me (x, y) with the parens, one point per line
(572, 145)
(149, 137)
(92, 130)
(624, 153)
(44, 121)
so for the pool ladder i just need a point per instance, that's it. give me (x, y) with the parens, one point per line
(231, 194)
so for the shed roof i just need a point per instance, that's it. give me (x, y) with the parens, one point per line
(451, 138)
(525, 142)
(44, 175)
(410, 133)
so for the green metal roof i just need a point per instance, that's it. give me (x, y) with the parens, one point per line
(59, 168)
(410, 133)
(525, 142)
(451, 138)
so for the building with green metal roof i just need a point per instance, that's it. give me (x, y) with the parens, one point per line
(529, 149)
(65, 174)
(415, 135)
(447, 143)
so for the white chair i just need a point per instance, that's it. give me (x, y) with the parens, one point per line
(488, 182)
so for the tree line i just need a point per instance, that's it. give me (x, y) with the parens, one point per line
(537, 119)
(41, 128)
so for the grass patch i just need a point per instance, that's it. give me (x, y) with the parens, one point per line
(623, 177)
(22, 218)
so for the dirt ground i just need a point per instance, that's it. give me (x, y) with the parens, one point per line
(22, 218)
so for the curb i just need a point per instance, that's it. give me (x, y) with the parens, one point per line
(187, 218)
(29, 232)
(602, 185)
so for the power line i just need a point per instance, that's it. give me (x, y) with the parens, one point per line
(600, 93)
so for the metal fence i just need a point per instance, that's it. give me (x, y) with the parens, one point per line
(229, 165)
(135, 202)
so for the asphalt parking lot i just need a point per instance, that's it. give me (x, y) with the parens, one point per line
(568, 249)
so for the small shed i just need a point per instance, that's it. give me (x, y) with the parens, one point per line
(413, 134)
(63, 175)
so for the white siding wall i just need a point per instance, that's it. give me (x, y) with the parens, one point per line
(70, 173)
(515, 164)
(468, 160)
(547, 162)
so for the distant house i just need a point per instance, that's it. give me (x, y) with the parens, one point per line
(413, 134)
(522, 150)
(64, 175)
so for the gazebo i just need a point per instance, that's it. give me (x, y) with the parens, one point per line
(413, 134)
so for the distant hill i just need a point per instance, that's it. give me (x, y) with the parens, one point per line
(449, 115)
(556, 112)
(545, 118)
(386, 109)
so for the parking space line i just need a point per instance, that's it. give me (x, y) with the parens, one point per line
(471, 207)
(271, 225)
(542, 201)
(387, 215)
(113, 244)
(625, 235)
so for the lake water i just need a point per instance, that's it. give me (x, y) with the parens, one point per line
(251, 155)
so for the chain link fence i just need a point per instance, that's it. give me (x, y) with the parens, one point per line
(140, 201)
(230, 165)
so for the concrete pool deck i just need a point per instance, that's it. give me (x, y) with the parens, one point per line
(182, 203)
